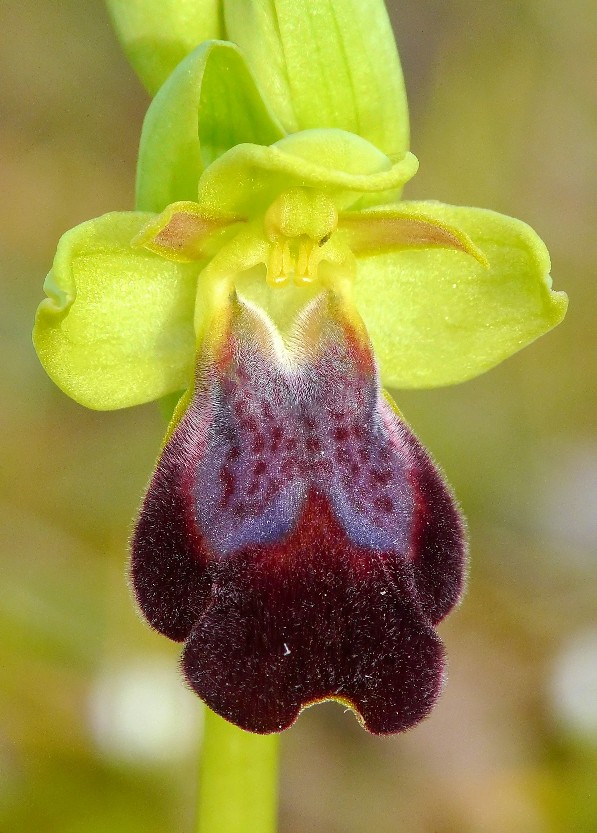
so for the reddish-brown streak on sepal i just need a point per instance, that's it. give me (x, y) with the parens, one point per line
(298, 536)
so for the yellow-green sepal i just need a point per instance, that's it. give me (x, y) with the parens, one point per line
(157, 34)
(117, 326)
(208, 105)
(350, 170)
(437, 316)
(326, 63)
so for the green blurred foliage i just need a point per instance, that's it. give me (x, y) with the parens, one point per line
(504, 109)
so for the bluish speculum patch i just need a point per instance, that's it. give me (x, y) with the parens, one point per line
(286, 426)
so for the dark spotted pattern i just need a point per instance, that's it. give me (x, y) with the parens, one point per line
(281, 428)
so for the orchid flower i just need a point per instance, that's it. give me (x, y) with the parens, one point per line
(295, 535)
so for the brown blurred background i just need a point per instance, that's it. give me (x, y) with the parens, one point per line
(96, 732)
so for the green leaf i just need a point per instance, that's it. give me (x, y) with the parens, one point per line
(348, 168)
(325, 63)
(437, 317)
(117, 326)
(209, 104)
(157, 34)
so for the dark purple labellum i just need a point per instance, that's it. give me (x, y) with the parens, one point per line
(296, 535)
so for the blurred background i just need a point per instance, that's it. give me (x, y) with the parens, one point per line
(96, 731)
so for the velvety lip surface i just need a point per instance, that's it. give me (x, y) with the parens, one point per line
(296, 534)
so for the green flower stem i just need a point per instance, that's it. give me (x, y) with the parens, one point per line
(238, 779)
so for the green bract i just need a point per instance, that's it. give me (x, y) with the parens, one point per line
(319, 63)
(209, 104)
(288, 162)
(157, 34)
(325, 64)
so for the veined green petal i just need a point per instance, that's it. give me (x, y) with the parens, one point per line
(437, 317)
(209, 104)
(117, 326)
(157, 34)
(325, 63)
(248, 177)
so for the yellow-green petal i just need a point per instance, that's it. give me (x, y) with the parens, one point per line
(117, 326)
(390, 229)
(325, 63)
(437, 317)
(157, 34)
(209, 104)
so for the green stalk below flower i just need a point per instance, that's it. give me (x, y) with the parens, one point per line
(238, 779)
